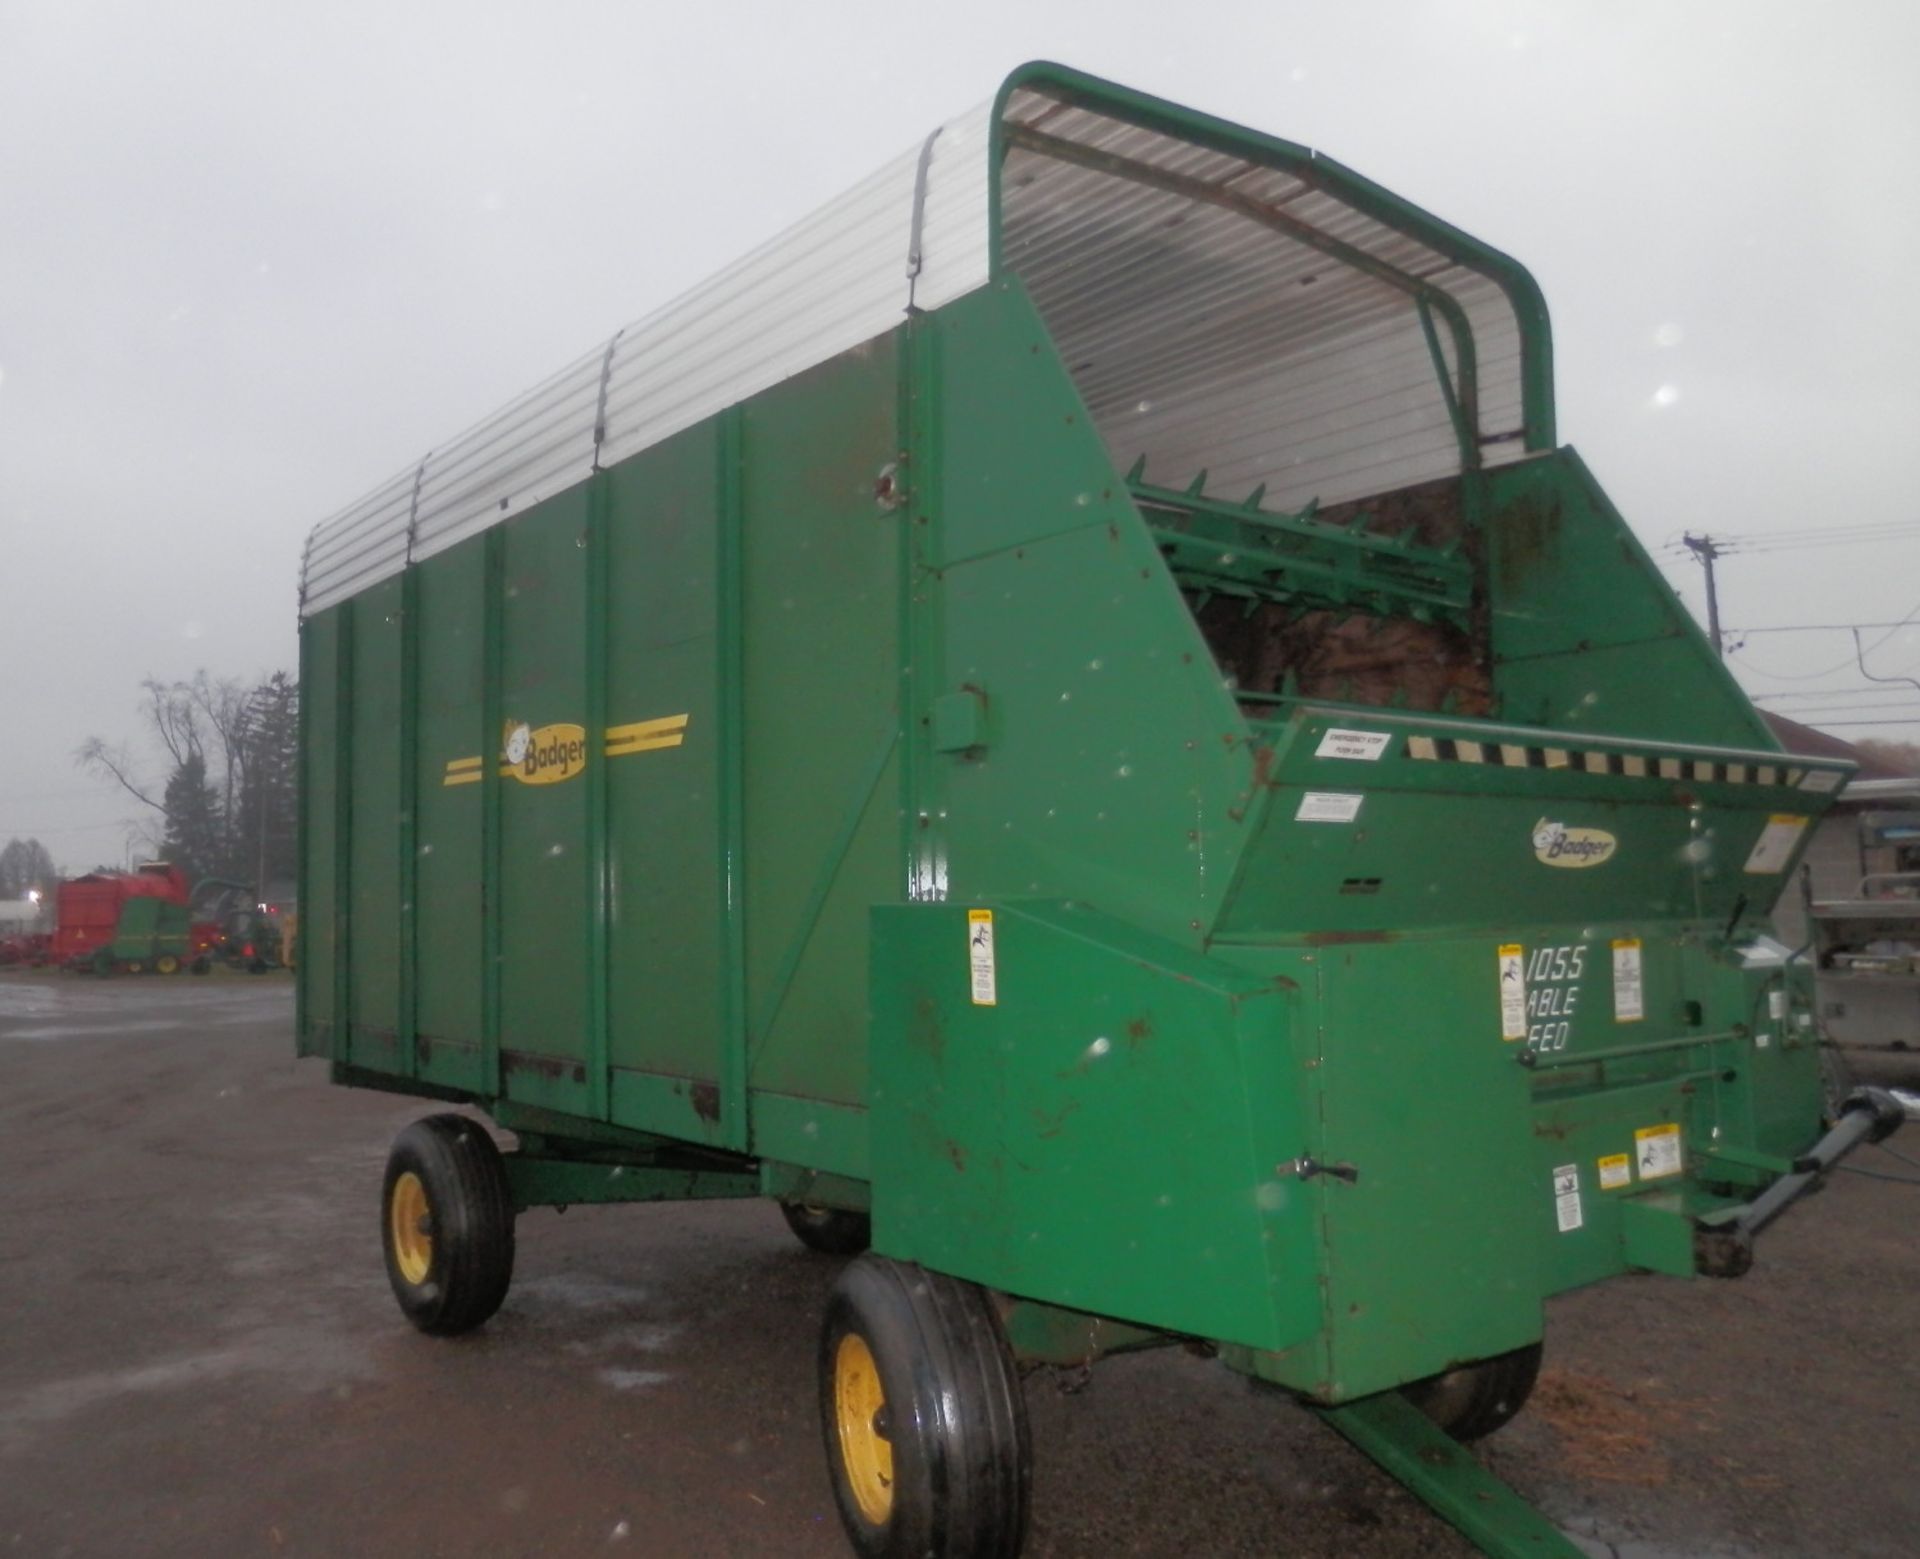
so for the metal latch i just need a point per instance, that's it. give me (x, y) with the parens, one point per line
(1306, 1168)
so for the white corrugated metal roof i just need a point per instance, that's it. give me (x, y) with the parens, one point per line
(1204, 336)
(832, 281)
(1215, 312)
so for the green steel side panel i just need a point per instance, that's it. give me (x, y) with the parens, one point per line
(820, 690)
(543, 906)
(1481, 1172)
(374, 872)
(1586, 634)
(1020, 457)
(813, 1133)
(816, 1045)
(1727, 1057)
(665, 970)
(1108, 1136)
(1434, 843)
(1773, 1105)
(1433, 1248)
(1577, 1128)
(1113, 765)
(450, 904)
(319, 711)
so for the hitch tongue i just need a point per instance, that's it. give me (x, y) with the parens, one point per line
(1723, 1241)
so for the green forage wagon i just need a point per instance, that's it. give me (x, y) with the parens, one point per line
(1069, 721)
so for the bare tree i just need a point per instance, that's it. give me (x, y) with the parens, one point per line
(116, 764)
(225, 800)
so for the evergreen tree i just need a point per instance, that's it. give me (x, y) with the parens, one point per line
(193, 839)
(266, 812)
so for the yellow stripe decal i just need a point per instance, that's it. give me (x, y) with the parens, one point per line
(462, 771)
(646, 735)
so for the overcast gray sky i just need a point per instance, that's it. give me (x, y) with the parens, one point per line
(258, 258)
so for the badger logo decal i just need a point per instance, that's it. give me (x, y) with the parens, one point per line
(548, 754)
(1555, 844)
(543, 756)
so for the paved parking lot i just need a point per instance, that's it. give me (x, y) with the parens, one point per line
(199, 1356)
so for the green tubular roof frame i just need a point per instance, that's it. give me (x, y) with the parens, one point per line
(1311, 167)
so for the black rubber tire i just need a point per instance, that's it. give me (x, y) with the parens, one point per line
(1471, 1401)
(832, 1231)
(201, 966)
(470, 1214)
(957, 1422)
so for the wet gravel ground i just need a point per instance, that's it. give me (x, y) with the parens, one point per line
(199, 1356)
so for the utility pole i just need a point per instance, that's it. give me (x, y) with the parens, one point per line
(1706, 551)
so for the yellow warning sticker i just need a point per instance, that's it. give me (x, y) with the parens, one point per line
(1656, 1150)
(1629, 988)
(980, 957)
(1616, 1170)
(1513, 991)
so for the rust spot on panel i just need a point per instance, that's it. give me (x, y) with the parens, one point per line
(1552, 1131)
(1262, 780)
(957, 1154)
(1335, 938)
(706, 1101)
(549, 1067)
(1527, 531)
(1139, 1031)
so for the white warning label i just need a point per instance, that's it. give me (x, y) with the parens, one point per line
(1629, 993)
(1777, 842)
(1366, 746)
(1616, 1170)
(1566, 1198)
(1327, 806)
(1513, 991)
(980, 957)
(1656, 1150)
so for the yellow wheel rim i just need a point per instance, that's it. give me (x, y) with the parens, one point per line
(407, 1224)
(866, 1452)
(167, 963)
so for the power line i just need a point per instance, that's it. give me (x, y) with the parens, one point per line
(1740, 633)
(1833, 692)
(1778, 541)
(1911, 720)
(1858, 657)
(1849, 709)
